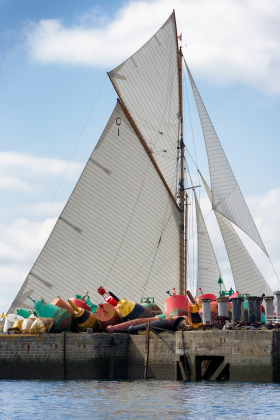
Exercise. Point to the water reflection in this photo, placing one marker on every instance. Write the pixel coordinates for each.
(139, 399)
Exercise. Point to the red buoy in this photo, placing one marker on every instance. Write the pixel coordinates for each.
(108, 298)
(207, 296)
(80, 303)
(176, 305)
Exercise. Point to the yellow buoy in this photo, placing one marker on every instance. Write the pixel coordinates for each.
(85, 319)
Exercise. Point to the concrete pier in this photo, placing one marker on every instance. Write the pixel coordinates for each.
(192, 355)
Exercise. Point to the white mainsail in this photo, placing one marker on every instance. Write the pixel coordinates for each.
(148, 85)
(227, 198)
(208, 271)
(247, 277)
(119, 228)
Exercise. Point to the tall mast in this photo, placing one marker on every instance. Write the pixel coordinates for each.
(183, 262)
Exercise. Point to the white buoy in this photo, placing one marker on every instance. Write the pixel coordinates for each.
(10, 319)
(268, 307)
(222, 306)
(206, 311)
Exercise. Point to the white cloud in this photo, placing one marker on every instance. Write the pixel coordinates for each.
(228, 41)
(20, 171)
(53, 209)
(20, 244)
(17, 240)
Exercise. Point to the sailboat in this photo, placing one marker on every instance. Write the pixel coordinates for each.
(124, 226)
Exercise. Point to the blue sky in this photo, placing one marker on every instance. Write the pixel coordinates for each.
(53, 62)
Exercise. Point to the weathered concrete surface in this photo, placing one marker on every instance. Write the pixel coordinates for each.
(72, 356)
(246, 355)
(234, 355)
(27, 356)
(161, 364)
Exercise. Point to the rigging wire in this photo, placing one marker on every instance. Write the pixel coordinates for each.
(191, 124)
(59, 184)
(274, 269)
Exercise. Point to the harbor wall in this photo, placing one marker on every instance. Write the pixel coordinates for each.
(236, 355)
(193, 355)
(73, 356)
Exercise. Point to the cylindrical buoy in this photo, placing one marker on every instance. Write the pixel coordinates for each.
(107, 315)
(277, 309)
(85, 319)
(194, 307)
(254, 309)
(222, 306)
(169, 323)
(122, 328)
(206, 311)
(176, 305)
(10, 319)
(236, 308)
(242, 310)
(131, 310)
(268, 307)
(246, 309)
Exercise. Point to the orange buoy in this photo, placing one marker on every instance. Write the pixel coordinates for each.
(107, 315)
(64, 305)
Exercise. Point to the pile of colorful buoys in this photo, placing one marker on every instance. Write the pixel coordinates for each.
(113, 315)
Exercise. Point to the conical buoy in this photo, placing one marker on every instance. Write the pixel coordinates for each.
(131, 310)
(85, 319)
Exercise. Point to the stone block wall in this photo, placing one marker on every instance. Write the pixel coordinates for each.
(161, 363)
(237, 355)
(26, 356)
(100, 356)
(249, 355)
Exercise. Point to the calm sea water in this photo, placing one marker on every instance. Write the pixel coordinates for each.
(138, 399)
